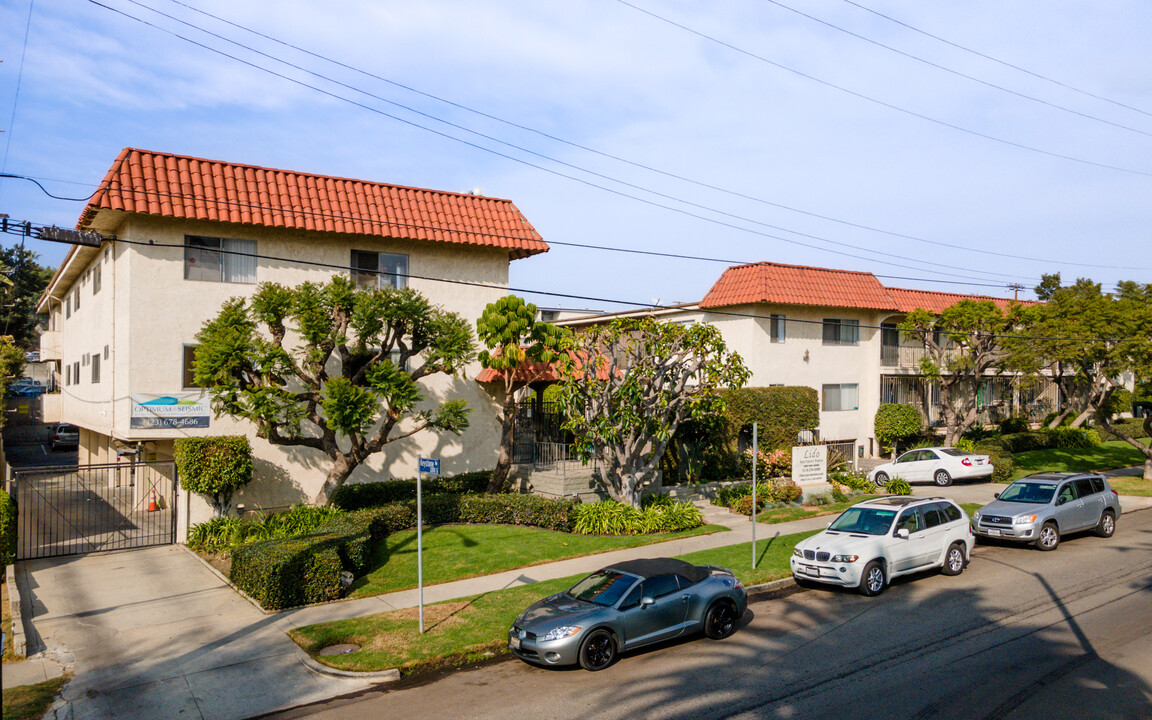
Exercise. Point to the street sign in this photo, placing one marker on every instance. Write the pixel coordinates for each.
(430, 466)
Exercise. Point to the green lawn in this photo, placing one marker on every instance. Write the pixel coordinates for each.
(1107, 456)
(30, 702)
(470, 629)
(455, 552)
(1132, 486)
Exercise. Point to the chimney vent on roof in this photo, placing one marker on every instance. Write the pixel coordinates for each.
(476, 191)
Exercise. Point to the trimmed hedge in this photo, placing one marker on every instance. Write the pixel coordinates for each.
(1059, 437)
(782, 412)
(306, 569)
(357, 496)
(8, 517)
(1002, 463)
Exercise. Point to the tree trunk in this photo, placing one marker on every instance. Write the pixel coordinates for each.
(504, 453)
(342, 467)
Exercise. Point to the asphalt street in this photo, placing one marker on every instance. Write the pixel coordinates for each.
(1021, 634)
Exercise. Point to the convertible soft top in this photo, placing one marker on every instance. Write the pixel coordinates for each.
(650, 567)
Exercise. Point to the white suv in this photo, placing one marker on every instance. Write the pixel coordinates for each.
(875, 541)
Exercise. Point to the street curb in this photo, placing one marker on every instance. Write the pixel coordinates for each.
(19, 639)
(224, 579)
(382, 676)
(770, 587)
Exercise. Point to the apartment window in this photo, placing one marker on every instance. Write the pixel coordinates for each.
(189, 367)
(76, 373)
(68, 307)
(845, 396)
(373, 269)
(841, 332)
(76, 299)
(96, 279)
(777, 329)
(219, 259)
(96, 368)
(67, 374)
(105, 352)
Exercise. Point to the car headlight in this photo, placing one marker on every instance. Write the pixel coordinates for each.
(797, 552)
(1023, 519)
(561, 632)
(976, 516)
(845, 558)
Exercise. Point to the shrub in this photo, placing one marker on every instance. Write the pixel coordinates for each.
(214, 466)
(1023, 442)
(1001, 459)
(856, 480)
(744, 505)
(1132, 426)
(609, 517)
(898, 486)
(964, 444)
(222, 533)
(895, 422)
(728, 495)
(1069, 438)
(280, 574)
(782, 412)
(770, 464)
(357, 496)
(785, 491)
(1011, 425)
(8, 515)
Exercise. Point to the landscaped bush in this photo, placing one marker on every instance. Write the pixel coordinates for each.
(785, 491)
(895, 423)
(781, 411)
(284, 573)
(1069, 438)
(856, 480)
(609, 517)
(356, 496)
(728, 495)
(1001, 459)
(744, 505)
(1023, 442)
(1132, 426)
(8, 517)
(770, 464)
(221, 533)
(214, 466)
(898, 486)
(1012, 425)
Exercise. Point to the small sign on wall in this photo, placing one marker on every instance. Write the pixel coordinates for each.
(810, 465)
(178, 410)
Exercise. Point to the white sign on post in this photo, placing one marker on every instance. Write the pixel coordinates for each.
(810, 465)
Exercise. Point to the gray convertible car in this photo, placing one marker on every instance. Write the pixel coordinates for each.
(625, 606)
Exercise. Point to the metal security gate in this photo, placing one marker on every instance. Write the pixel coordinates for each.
(71, 511)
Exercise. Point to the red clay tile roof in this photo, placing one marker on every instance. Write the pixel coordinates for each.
(186, 187)
(797, 285)
(937, 302)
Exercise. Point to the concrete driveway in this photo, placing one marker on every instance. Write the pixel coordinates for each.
(152, 633)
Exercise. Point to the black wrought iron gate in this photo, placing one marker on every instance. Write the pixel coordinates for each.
(71, 511)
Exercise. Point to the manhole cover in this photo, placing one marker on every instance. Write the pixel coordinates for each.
(339, 649)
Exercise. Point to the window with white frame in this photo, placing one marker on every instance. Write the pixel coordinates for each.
(777, 328)
(845, 396)
(96, 368)
(377, 269)
(219, 259)
(838, 331)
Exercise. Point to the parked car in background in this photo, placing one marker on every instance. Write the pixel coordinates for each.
(625, 606)
(26, 387)
(875, 541)
(940, 465)
(65, 435)
(1042, 508)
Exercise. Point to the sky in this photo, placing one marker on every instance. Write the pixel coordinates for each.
(960, 146)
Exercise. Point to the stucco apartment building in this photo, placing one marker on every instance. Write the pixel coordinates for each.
(186, 234)
(835, 331)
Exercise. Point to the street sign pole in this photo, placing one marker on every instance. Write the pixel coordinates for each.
(755, 462)
(420, 545)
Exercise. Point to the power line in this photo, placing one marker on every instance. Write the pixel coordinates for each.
(44, 189)
(957, 73)
(999, 61)
(569, 296)
(882, 103)
(572, 166)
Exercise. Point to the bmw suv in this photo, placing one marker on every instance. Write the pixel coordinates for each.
(875, 541)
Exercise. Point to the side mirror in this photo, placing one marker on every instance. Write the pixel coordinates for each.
(902, 533)
(645, 602)
(997, 496)
(1061, 500)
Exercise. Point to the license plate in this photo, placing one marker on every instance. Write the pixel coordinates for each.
(514, 643)
(814, 572)
(994, 532)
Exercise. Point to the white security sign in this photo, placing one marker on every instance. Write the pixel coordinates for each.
(810, 465)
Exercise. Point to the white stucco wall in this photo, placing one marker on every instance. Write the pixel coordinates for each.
(146, 312)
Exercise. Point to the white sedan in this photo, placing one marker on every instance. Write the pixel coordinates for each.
(940, 465)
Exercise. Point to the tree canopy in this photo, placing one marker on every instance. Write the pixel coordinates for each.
(629, 384)
(18, 297)
(333, 367)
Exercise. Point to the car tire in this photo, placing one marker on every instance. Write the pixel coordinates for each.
(720, 620)
(873, 579)
(804, 583)
(881, 479)
(597, 651)
(942, 478)
(954, 560)
(1107, 525)
(1049, 538)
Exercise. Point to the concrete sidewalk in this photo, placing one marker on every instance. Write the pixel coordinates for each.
(155, 633)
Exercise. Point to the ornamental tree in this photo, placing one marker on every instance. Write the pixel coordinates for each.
(215, 467)
(628, 385)
(522, 349)
(962, 344)
(895, 422)
(333, 367)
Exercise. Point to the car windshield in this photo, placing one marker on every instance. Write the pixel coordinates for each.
(870, 521)
(1029, 492)
(954, 452)
(603, 588)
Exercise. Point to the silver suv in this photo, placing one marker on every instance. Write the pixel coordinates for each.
(1040, 508)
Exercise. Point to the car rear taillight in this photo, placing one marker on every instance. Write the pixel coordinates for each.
(1114, 492)
(965, 462)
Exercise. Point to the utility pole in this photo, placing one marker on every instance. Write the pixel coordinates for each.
(1015, 288)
